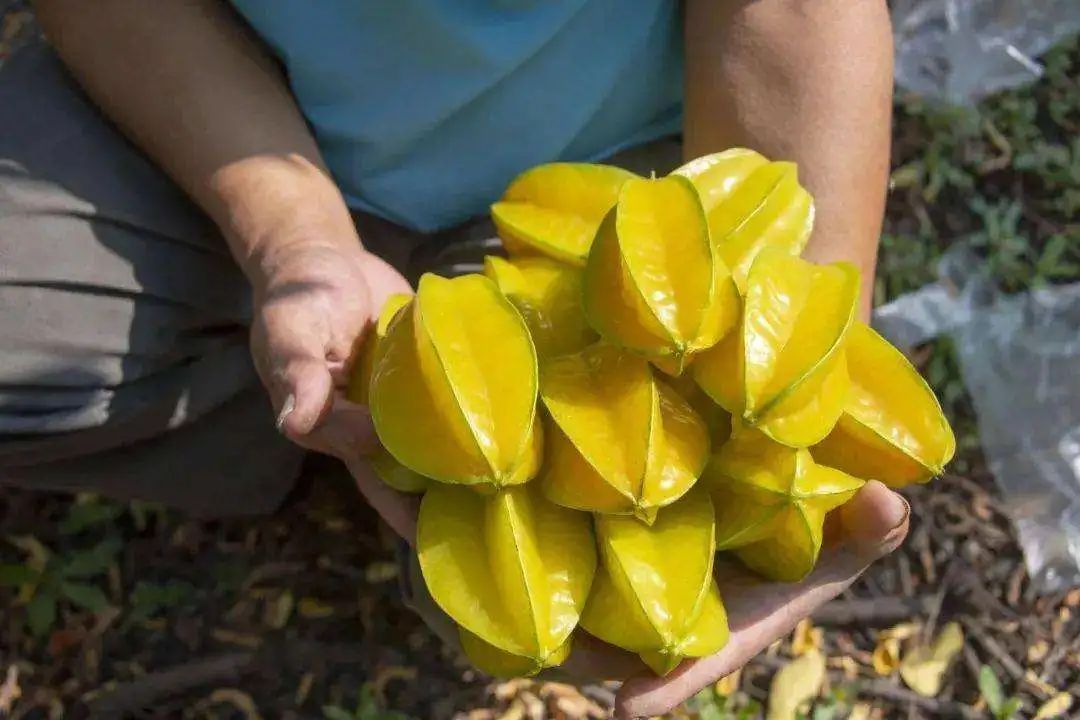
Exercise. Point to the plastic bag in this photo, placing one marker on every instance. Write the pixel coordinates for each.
(1020, 362)
(962, 50)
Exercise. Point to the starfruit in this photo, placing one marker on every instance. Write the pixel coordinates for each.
(751, 204)
(389, 470)
(620, 441)
(454, 386)
(511, 569)
(771, 502)
(653, 282)
(783, 370)
(654, 593)
(548, 295)
(892, 428)
(360, 379)
(555, 209)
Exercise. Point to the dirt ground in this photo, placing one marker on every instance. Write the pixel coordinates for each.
(298, 615)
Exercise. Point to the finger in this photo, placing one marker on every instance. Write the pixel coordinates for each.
(396, 508)
(345, 432)
(593, 660)
(873, 524)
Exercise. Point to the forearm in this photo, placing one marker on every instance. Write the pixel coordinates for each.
(803, 80)
(185, 82)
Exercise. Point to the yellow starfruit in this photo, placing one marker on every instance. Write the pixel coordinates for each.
(892, 428)
(751, 204)
(511, 569)
(389, 470)
(555, 209)
(360, 379)
(771, 501)
(620, 441)
(548, 295)
(653, 282)
(783, 370)
(454, 386)
(654, 593)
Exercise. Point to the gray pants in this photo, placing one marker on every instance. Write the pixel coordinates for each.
(124, 363)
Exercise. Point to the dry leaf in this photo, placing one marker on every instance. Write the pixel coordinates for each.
(1039, 684)
(232, 637)
(1037, 651)
(805, 638)
(796, 683)
(729, 684)
(9, 690)
(386, 674)
(303, 688)
(516, 711)
(861, 711)
(886, 657)
(923, 667)
(380, 572)
(277, 612)
(847, 664)
(1054, 707)
(238, 699)
(314, 609)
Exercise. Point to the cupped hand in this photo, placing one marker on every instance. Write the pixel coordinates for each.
(316, 301)
(869, 527)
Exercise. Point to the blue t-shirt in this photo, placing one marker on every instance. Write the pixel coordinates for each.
(426, 109)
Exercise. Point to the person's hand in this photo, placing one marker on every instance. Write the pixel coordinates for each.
(317, 296)
(869, 527)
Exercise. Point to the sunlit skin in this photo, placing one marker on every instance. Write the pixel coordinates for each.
(803, 80)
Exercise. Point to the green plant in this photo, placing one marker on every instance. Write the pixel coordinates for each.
(1001, 708)
(148, 600)
(711, 705)
(48, 578)
(367, 708)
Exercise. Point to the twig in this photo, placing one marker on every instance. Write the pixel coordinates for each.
(994, 648)
(145, 691)
(881, 610)
(218, 670)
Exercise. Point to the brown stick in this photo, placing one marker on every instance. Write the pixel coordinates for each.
(870, 611)
(144, 691)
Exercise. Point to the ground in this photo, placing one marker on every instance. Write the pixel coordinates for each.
(129, 609)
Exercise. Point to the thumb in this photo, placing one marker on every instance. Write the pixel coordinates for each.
(306, 393)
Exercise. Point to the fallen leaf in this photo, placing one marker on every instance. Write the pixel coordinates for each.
(276, 612)
(1037, 651)
(861, 711)
(314, 609)
(386, 674)
(805, 638)
(1039, 684)
(380, 572)
(303, 688)
(923, 667)
(9, 690)
(232, 637)
(729, 684)
(516, 711)
(238, 699)
(886, 657)
(796, 683)
(1054, 707)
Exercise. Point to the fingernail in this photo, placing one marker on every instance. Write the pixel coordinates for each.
(286, 409)
(904, 515)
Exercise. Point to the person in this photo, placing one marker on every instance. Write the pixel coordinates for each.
(281, 168)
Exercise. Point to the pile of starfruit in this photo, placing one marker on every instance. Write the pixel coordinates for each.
(653, 375)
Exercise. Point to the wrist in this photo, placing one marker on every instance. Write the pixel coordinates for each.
(273, 208)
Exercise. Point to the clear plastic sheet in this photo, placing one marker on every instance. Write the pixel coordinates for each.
(961, 50)
(1020, 361)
